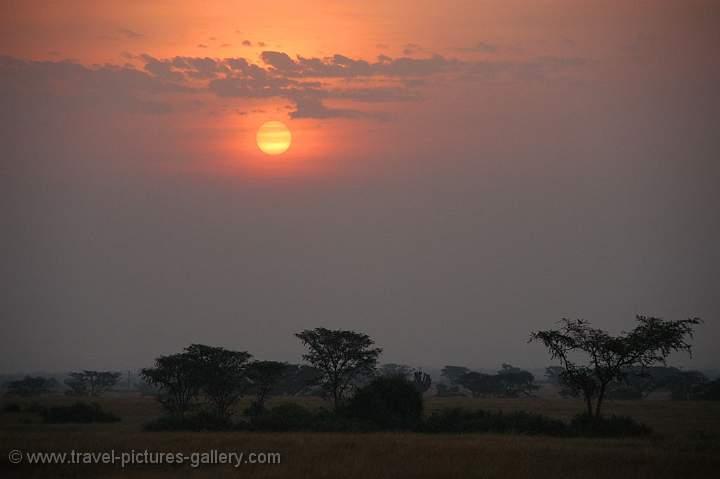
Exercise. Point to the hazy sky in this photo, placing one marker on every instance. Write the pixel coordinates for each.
(461, 173)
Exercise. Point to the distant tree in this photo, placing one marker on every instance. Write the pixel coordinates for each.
(552, 374)
(91, 383)
(263, 375)
(341, 356)
(516, 382)
(77, 384)
(453, 373)
(28, 386)
(685, 385)
(651, 342)
(222, 375)
(711, 391)
(178, 379)
(392, 369)
(480, 384)
(422, 381)
(508, 382)
(637, 383)
(443, 390)
(506, 368)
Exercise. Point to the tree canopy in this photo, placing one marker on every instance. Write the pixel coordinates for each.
(342, 356)
(608, 357)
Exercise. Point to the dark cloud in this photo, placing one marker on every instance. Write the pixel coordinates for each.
(308, 82)
(163, 69)
(60, 87)
(411, 49)
(246, 43)
(340, 66)
(127, 33)
(251, 87)
(281, 62)
(309, 106)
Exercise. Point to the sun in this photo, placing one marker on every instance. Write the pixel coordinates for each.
(273, 138)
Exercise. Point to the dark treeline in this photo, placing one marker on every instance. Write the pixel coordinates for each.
(201, 386)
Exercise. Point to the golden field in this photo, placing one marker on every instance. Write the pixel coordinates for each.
(686, 444)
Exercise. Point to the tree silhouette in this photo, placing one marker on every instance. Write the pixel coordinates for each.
(453, 373)
(263, 375)
(178, 379)
(222, 375)
(608, 357)
(28, 386)
(341, 356)
(92, 383)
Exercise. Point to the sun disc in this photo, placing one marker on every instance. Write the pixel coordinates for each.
(273, 138)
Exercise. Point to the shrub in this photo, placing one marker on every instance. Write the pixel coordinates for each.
(78, 412)
(612, 426)
(388, 402)
(459, 420)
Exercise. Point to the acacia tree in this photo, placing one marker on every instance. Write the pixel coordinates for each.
(92, 383)
(516, 382)
(341, 356)
(453, 374)
(215, 373)
(263, 376)
(222, 375)
(178, 380)
(28, 386)
(608, 357)
(479, 384)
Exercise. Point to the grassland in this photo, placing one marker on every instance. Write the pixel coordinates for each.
(686, 444)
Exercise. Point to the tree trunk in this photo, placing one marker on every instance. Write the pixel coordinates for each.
(588, 401)
(600, 400)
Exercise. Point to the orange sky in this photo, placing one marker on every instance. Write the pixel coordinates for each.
(100, 31)
(516, 45)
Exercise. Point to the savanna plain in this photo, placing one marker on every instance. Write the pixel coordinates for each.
(685, 443)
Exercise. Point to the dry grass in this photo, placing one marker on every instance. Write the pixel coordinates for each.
(687, 446)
